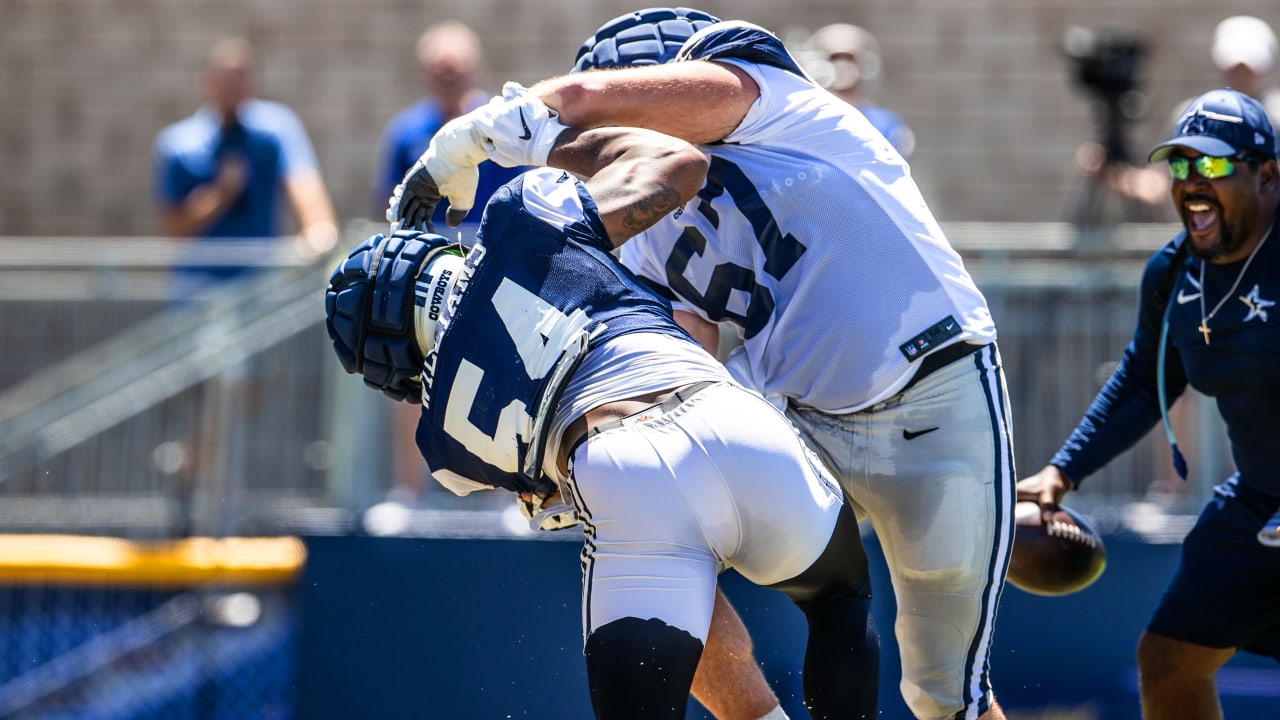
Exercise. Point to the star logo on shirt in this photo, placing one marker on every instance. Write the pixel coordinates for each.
(1257, 306)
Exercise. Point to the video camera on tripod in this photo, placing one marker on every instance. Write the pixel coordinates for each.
(1107, 66)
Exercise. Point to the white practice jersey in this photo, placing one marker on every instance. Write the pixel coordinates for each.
(811, 237)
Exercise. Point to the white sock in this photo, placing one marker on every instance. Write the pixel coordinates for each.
(775, 714)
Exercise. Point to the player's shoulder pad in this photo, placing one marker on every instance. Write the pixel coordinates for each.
(739, 40)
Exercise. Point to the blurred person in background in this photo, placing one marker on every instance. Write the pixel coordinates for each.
(449, 56)
(220, 173)
(220, 176)
(1203, 321)
(846, 60)
(1244, 54)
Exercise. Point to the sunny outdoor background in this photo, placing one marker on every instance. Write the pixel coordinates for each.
(199, 513)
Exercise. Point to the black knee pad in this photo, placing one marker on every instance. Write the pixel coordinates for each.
(842, 654)
(840, 570)
(841, 658)
(641, 669)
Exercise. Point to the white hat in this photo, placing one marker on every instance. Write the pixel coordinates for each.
(844, 38)
(1244, 40)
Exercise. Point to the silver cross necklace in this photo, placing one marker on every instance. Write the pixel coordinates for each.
(1204, 319)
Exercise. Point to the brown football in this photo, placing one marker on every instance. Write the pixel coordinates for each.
(1065, 557)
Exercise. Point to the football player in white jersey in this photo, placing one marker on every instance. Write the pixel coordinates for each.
(545, 368)
(856, 316)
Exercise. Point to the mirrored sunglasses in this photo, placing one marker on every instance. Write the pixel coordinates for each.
(1209, 167)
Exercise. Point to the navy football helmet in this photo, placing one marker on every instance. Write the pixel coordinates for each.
(645, 37)
(370, 310)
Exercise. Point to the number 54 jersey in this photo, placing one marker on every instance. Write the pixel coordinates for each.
(538, 290)
(812, 238)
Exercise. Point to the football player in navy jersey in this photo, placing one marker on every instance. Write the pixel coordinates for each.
(1203, 321)
(857, 318)
(547, 369)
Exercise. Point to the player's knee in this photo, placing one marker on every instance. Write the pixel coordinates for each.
(938, 676)
(942, 697)
(956, 576)
(1163, 660)
(842, 657)
(1156, 663)
(641, 668)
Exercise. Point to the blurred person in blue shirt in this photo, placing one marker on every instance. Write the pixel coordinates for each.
(221, 178)
(449, 55)
(221, 173)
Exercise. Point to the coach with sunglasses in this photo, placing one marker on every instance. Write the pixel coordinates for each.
(1206, 320)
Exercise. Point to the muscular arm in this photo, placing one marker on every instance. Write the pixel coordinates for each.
(1128, 405)
(696, 101)
(636, 176)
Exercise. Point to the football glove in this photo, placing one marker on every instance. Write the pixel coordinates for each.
(512, 130)
(518, 128)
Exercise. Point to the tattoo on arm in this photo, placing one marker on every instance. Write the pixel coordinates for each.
(660, 199)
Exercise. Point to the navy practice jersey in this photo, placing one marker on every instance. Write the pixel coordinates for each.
(811, 238)
(539, 290)
(1238, 367)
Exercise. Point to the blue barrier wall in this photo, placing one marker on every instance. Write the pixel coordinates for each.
(479, 629)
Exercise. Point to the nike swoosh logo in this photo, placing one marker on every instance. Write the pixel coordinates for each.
(908, 435)
(527, 133)
(1184, 298)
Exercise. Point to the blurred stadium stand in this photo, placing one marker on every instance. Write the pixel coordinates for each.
(111, 371)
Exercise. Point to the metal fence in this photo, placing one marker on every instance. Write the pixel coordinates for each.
(134, 653)
(132, 406)
(1065, 305)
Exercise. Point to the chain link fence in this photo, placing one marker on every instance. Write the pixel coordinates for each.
(131, 652)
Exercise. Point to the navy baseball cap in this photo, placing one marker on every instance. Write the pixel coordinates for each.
(1221, 123)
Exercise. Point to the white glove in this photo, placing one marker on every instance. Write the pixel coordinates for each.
(512, 130)
(446, 170)
(518, 128)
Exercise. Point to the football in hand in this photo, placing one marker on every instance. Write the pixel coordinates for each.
(1063, 557)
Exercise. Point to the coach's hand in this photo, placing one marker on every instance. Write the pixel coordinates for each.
(1046, 489)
